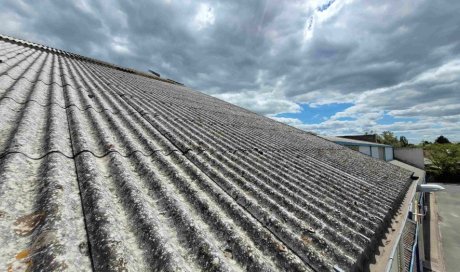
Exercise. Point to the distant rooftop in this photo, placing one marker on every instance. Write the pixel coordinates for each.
(346, 141)
(363, 137)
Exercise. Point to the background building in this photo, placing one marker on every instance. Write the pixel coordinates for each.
(375, 150)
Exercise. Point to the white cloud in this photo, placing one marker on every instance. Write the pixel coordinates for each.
(263, 103)
(435, 113)
(121, 45)
(400, 59)
(289, 121)
(205, 16)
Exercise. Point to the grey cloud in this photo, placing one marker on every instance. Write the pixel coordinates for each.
(410, 49)
(255, 54)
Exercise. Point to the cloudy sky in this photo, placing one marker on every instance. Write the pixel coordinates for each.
(332, 67)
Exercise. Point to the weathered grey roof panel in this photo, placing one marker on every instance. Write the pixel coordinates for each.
(41, 220)
(155, 176)
(408, 239)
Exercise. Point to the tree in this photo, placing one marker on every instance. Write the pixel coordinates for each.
(445, 159)
(389, 138)
(442, 140)
(424, 143)
(403, 142)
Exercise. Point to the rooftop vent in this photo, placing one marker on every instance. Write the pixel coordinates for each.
(153, 72)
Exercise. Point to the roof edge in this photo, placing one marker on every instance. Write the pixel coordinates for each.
(383, 256)
(88, 59)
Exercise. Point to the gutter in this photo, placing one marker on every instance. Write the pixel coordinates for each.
(412, 258)
(398, 239)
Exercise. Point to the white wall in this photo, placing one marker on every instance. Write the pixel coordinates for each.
(375, 152)
(388, 153)
(365, 149)
(410, 155)
(385, 153)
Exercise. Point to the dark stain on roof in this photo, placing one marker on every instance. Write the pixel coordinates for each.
(107, 168)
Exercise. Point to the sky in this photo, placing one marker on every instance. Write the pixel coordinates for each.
(329, 67)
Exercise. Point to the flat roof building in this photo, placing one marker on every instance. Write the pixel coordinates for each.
(375, 150)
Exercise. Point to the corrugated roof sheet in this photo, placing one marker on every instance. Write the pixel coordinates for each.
(106, 168)
(408, 240)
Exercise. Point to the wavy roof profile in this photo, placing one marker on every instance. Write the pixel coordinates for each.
(106, 168)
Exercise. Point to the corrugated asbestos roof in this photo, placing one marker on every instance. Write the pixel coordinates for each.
(107, 168)
(409, 237)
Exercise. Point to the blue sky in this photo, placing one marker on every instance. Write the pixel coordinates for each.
(331, 67)
(388, 120)
(316, 114)
(312, 115)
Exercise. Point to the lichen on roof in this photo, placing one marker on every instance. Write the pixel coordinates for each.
(108, 169)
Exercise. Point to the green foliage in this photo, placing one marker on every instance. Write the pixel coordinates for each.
(425, 143)
(389, 138)
(445, 159)
(403, 141)
(442, 140)
(444, 155)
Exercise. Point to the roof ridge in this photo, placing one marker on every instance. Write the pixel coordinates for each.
(88, 59)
